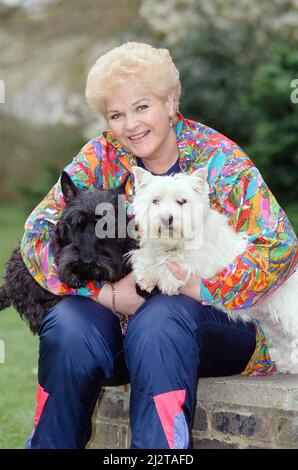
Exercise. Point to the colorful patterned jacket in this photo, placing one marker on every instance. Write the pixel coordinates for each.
(237, 189)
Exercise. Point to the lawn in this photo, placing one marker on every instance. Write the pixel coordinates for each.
(18, 373)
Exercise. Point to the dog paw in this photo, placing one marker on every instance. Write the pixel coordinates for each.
(145, 284)
(169, 285)
(170, 290)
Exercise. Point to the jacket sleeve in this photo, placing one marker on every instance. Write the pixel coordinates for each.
(271, 255)
(40, 225)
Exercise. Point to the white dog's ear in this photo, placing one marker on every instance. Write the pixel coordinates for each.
(199, 178)
(141, 177)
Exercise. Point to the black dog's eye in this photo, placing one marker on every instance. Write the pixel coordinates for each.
(181, 201)
(82, 223)
(156, 201)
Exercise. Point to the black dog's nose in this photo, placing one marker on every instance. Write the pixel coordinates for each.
(167, 221)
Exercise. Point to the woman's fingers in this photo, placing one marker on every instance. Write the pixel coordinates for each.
(177, 271)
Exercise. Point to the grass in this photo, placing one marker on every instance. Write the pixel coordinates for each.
(18, 372)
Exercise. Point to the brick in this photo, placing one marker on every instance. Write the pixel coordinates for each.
(287, 430)
(262, 409)
(112, 406)
(200, 419)
(260, 446)
(212, 444)
(124, 440)
(250, 426)
(278, 391)
(106, 436)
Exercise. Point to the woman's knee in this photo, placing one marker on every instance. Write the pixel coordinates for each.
(160, 310)
(163, 317)
(162, 339)
(79, 329)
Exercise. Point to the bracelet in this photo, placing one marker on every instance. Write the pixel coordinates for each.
(123, 318)
(113, 297)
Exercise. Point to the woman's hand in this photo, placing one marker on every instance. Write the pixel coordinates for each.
(192, 286)
(127, 299)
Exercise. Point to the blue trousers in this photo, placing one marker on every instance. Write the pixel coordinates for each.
(170, 343)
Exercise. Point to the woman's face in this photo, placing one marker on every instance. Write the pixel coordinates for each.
(141, 122)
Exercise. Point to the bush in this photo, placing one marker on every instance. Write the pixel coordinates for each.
(239, 82)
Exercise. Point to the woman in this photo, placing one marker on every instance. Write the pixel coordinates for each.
(170, 342)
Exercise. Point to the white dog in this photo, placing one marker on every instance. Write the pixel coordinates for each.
(177, 224)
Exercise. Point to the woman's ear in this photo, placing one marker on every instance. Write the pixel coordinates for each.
(170, 106)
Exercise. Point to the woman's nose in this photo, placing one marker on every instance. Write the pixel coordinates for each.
(130, 122)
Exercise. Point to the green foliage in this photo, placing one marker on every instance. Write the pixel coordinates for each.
(275, 134)
(240, 85)
(217, 69)
(33, 159)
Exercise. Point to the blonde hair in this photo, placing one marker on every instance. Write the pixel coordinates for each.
(134, 63)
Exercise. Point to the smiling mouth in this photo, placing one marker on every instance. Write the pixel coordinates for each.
(139, 138)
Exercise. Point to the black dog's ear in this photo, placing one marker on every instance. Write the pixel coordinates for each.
(121, 187)
(59, 230)
(69, 189)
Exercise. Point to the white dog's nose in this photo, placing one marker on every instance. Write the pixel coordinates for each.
(167, 221)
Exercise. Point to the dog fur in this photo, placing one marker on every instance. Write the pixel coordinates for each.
(79, 254)
(203, 243)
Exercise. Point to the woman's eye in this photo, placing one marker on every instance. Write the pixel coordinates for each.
(181, 201)
(142, 107)
(115, 116)
(155, 201)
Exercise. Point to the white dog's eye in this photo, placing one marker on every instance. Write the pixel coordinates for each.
(181, 201)
(156, 201)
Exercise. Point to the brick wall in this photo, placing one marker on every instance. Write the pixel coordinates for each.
(232, 412)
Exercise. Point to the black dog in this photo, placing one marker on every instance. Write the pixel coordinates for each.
(80, 255)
